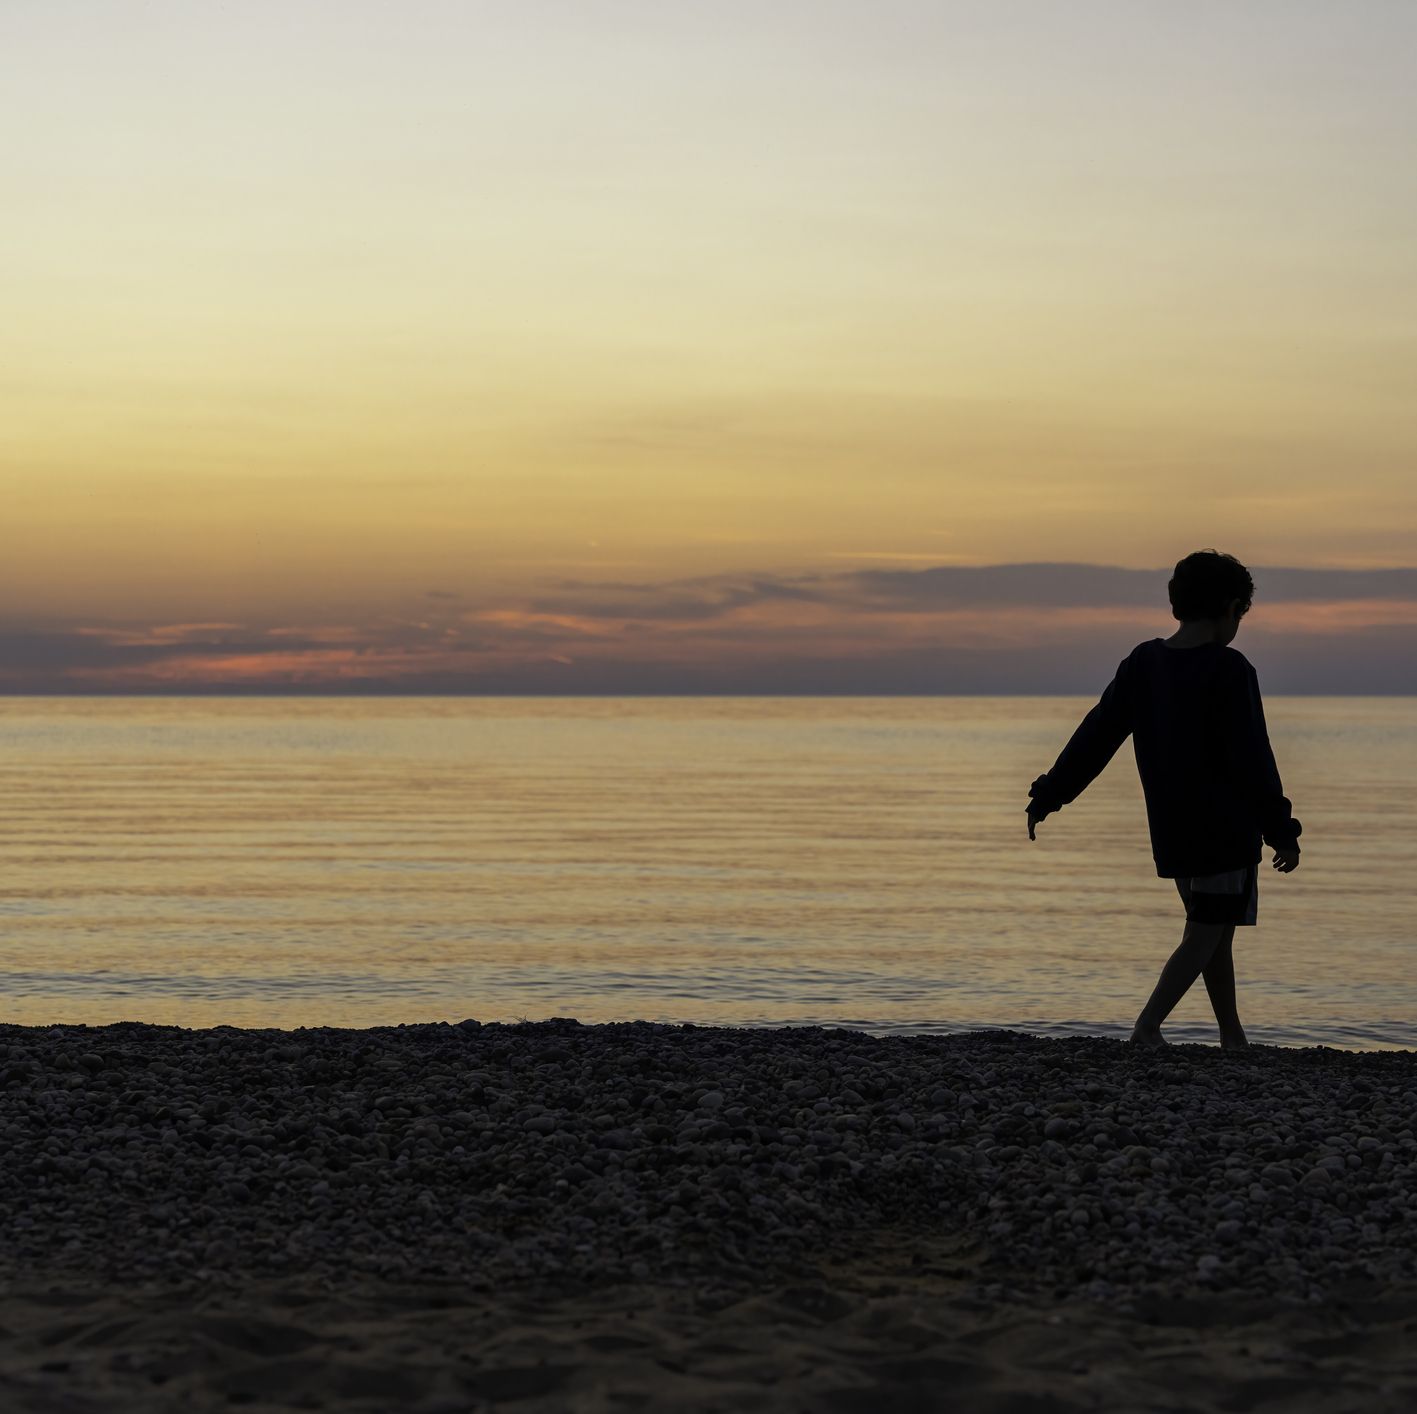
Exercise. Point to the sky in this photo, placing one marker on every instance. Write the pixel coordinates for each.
(598, 346)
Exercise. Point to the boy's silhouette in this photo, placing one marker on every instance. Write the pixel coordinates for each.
(1192, 706)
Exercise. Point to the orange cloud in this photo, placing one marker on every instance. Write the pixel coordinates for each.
(1034, 628)
(1314, 616)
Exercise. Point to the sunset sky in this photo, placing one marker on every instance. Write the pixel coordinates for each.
(586, 346)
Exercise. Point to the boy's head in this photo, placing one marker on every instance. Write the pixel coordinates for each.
(1209, 585)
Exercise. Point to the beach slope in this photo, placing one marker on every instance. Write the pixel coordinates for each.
(633, 1215)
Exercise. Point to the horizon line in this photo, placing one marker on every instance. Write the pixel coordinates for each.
(569, 696)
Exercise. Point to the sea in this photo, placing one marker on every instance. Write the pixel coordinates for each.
(745, 861)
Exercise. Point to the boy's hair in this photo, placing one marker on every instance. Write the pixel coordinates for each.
(1205, 582)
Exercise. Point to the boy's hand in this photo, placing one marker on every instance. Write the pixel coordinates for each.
(1286, 860)
(1035, 814)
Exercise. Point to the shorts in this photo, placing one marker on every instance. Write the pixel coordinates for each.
(1232, 897)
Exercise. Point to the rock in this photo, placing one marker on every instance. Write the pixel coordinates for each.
(513, 1152)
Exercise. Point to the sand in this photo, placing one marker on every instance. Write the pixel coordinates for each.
(562, 1217)
(893, 1333)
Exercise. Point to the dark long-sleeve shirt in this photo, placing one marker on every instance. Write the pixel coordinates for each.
(1207, 769)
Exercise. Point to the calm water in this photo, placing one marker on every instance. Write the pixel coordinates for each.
(859, 862)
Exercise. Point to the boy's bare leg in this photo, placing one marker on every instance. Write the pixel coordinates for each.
(1219, 974)
(1198, 945)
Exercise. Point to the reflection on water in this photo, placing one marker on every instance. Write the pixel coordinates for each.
(840, 862)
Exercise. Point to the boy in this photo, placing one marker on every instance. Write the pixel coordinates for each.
(1192, 706)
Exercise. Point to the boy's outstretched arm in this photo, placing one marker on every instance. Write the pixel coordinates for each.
(1089, 749)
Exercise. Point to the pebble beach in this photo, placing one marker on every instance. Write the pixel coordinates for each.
(566, 1216)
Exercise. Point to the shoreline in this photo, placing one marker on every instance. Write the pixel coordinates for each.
(977, 1174)
(1191, 1036)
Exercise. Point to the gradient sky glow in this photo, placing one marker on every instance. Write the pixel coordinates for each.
(324, 321)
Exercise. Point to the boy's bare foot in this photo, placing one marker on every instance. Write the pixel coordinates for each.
(1234, 1041)
(1147, 1036)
